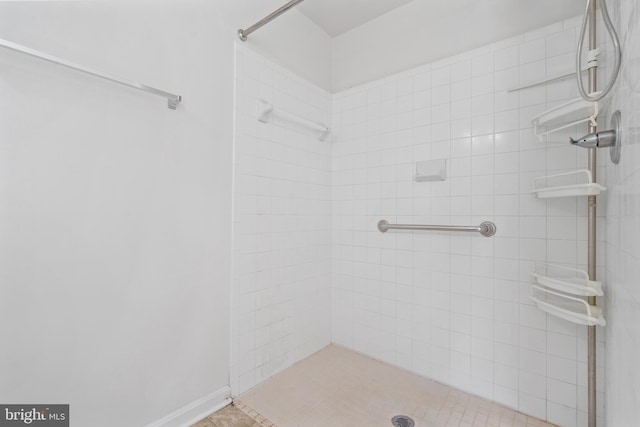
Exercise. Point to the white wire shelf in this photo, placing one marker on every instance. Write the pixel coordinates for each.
(568, 184)
(569, 280)
(267, 112)
(566, 307)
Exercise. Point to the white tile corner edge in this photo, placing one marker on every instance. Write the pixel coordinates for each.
(197, 410)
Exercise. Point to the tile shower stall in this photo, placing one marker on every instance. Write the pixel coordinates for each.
(311, 267)
(271, 238)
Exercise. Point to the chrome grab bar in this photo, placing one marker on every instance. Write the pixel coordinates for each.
(487, 228)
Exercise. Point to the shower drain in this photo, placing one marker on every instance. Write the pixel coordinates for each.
(402, 421)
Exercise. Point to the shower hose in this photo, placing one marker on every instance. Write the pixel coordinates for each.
(617, 51)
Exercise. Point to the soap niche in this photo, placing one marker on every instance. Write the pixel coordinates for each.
(431, 170)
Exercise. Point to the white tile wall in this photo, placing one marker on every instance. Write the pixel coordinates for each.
(623, 232)
(448, 306)
(282, 224)
(455, 307)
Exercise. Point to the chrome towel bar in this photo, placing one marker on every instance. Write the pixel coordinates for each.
(172, 99)
(487, 228)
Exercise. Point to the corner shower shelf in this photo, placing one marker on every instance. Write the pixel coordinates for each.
(576, 183)
(566, 279)
(566, 307)
(565, 115)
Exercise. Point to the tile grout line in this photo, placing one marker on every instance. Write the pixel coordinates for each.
(263, 421)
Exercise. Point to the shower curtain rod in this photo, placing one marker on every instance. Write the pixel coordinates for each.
(243, 34)
(172, 99)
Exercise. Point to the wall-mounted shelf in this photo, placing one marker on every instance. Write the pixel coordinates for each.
(534, 83)
(267, 112)
(568, 184)
(566, 307)
(569, 280)
(565, 115)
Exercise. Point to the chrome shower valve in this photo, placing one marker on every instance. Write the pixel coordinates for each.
(607, 138)
(602, 139)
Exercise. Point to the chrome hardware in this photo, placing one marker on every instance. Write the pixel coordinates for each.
(243, 34)
(487, 228)
(608, 138)
(602, 139)
(172, 99)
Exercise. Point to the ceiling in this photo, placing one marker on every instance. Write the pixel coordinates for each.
(339, 16)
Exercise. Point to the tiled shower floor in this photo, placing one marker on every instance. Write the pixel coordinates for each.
(231, 416)
(336, 387)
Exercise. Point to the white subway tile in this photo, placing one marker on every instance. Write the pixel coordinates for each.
(469, 293)
(532, 384)
(533, 50)
(440, 76)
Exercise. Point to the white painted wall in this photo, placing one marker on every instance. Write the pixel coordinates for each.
(451, 306)
(623, 231)
(115, 212)
(293, 41)
(424, 31)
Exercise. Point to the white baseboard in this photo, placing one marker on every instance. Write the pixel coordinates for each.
(195, 411)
